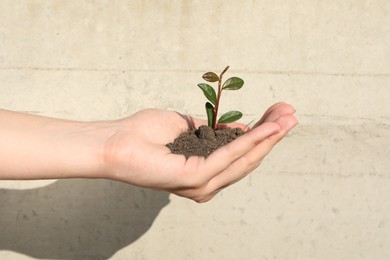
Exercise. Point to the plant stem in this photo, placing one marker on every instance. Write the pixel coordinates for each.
(218, 97)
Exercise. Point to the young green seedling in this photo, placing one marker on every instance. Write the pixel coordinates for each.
(233, 83)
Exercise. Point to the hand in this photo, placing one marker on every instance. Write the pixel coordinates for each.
(137, 154)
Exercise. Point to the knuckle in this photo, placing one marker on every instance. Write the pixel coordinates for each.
(249, 164)
(202, 199)
(230, 151)
(203, 195)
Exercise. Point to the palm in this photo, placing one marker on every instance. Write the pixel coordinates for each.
(139, 147)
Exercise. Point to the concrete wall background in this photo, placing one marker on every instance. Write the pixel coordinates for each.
(324, 193)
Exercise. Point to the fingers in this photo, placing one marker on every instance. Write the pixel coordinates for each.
(234, 161)
(226, 155)
(200, 171)
(273, 122)
(276, 111)
(247, 163)
(230, 168)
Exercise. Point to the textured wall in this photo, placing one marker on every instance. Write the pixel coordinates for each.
(324, 193)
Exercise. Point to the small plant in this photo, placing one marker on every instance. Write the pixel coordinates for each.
(233, 83)
(204, 140)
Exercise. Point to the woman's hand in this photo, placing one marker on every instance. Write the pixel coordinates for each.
(136, 152)
(133, 150)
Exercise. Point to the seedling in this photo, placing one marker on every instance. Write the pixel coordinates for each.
(206, 139)
(212, 107)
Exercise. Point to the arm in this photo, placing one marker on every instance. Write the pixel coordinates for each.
(132, 150)
(36, 147)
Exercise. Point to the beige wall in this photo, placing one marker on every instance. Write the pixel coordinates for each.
(324, 193)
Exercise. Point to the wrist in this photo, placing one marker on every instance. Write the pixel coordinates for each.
(92, 139)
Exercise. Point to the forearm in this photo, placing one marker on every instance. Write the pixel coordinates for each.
(36, 147)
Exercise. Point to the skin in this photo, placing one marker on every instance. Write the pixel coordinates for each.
(132, 150)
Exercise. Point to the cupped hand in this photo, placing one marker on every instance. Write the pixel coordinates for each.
(137, 152)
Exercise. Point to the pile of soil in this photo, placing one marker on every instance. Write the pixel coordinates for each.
(203, 141)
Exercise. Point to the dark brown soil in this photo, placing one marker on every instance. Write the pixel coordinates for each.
(203, 141)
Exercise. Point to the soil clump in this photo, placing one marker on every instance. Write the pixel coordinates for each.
(203, 141)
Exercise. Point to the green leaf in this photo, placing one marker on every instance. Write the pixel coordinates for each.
(229, 117)
(233, 83)
(210, 114)
(210, 77)
(209, 92)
